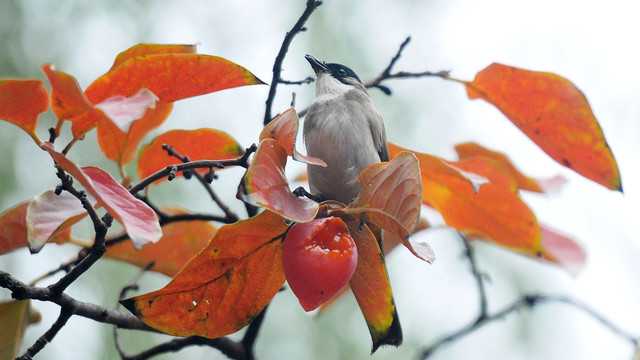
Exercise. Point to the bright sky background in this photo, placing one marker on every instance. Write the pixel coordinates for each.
(593, 44)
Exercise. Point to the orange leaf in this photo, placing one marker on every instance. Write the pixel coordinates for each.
(179, 243)
(553, 113)
(137, 218)
(48, 214)
(67, 99)
(201, 144)
(123, 147)
(21, 101)
(151, 49)
(395, 189)
(70, 103)
(265, 184)
(225, 286)
(493, 213)
(370, 286)
(470, 149)
(14, 231)
(492, 170)
(15, 316)
(284, 128)
(563, 251)
(171, 77)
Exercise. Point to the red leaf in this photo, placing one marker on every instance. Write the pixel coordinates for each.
(393, 187)
(201, 144)
(180, 241)
(284, 128)
(470, 150)
(553, 113)
(494, 213)
(138, 219)
(265, 184)
(370, 286)
(21, 101)
(14, 233)
(222, 288)
(49, 214)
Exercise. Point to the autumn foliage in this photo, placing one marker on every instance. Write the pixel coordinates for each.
(222, 277)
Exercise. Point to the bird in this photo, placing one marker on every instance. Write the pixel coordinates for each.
(343, 128)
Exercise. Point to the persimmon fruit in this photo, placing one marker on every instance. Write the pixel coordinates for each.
(318, 258)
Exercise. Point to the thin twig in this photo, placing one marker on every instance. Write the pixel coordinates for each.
(251, 335)
(387, 74)
(477, 275)
(228, 347)
(199, 164)
(529, 301)
(22, 291)
(311, 6)
(526, 301)
(133, 285)
(100, 227)
(231, 217)
(47, 337)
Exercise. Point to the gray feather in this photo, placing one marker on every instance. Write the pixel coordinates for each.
(343, 128)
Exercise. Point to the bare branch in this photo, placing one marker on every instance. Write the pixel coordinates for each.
(48, 336)
(22, 291)
(200, 164)
(231, 217)
(526, 301)
(312, 5)
(226, 346)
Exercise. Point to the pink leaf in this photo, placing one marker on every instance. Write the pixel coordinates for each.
(265, 184)
(563, 251)
(139, 220)
(48, 214)
(123, 111)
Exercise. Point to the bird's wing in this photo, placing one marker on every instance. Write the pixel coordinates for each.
(376, 124)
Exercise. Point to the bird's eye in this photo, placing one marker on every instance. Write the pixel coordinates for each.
(342, 72)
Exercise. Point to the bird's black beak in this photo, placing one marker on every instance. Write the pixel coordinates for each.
(317, 65)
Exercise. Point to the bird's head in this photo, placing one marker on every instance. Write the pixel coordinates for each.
(333, 78)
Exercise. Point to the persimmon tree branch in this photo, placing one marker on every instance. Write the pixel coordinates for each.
(388, 74)
(170, 171)
(47, 337)
(22, 291)
(230, 216)
(298, 27)
(100, 225)
(528, 301)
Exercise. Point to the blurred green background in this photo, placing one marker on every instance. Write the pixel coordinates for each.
(588, 42)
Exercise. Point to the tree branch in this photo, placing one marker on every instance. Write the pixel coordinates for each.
(526, 301)
(199, 164)
(231, 217)
(47, 337)
(312, 5)
(386, 74)
(22, 291)
(228, 347)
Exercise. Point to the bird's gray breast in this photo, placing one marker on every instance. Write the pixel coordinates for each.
(337, 129)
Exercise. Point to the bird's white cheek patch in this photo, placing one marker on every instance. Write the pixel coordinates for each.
(328, 88)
